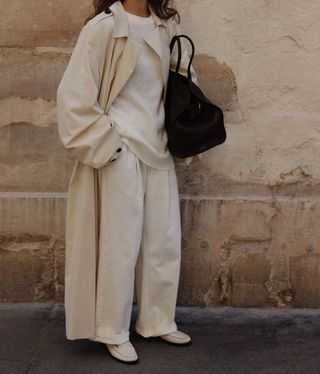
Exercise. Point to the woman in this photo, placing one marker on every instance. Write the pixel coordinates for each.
(123, 219)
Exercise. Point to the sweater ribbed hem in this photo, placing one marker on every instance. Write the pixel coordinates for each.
(153, 152)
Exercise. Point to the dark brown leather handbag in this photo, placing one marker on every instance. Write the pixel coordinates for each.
(193, 123)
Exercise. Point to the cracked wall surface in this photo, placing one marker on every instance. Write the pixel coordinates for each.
(250, 208)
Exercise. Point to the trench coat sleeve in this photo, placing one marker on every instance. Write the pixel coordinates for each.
(85, 130)
(183, 69)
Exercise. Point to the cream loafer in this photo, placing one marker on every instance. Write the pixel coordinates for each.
(124, 352)
(177, 337)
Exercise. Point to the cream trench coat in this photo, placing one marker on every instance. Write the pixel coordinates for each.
(102, 61)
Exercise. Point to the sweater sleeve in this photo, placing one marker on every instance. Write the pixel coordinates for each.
(84, 129)
(183, 69)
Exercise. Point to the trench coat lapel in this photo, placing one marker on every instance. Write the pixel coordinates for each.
(157, 39)
(129, 57)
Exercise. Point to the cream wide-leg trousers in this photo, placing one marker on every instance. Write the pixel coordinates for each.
(139, 246)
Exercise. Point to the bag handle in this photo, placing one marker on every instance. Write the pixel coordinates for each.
(177, 38)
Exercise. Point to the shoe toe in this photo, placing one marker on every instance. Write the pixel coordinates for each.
(124, 351)
(177, 337)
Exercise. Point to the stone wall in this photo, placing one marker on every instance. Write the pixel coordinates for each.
(250, 209)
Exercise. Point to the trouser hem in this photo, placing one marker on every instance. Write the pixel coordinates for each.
(166, 330)
(111, 339)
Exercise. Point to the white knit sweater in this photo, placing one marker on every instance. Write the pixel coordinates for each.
(138, 110)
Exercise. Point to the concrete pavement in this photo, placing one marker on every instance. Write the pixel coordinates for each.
(224, 341)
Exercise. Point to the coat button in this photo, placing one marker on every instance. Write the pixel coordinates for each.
(119, 149)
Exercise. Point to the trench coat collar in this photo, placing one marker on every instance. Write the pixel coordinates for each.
(156, 39)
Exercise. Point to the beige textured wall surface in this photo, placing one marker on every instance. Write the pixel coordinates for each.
(250, 209)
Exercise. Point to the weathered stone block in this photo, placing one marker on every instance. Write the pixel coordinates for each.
(30, 73)
(43, 23)
(26, 268)
(33, 213)
(33, 159)
(249, 273)
(304, 277)
(32, 230)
